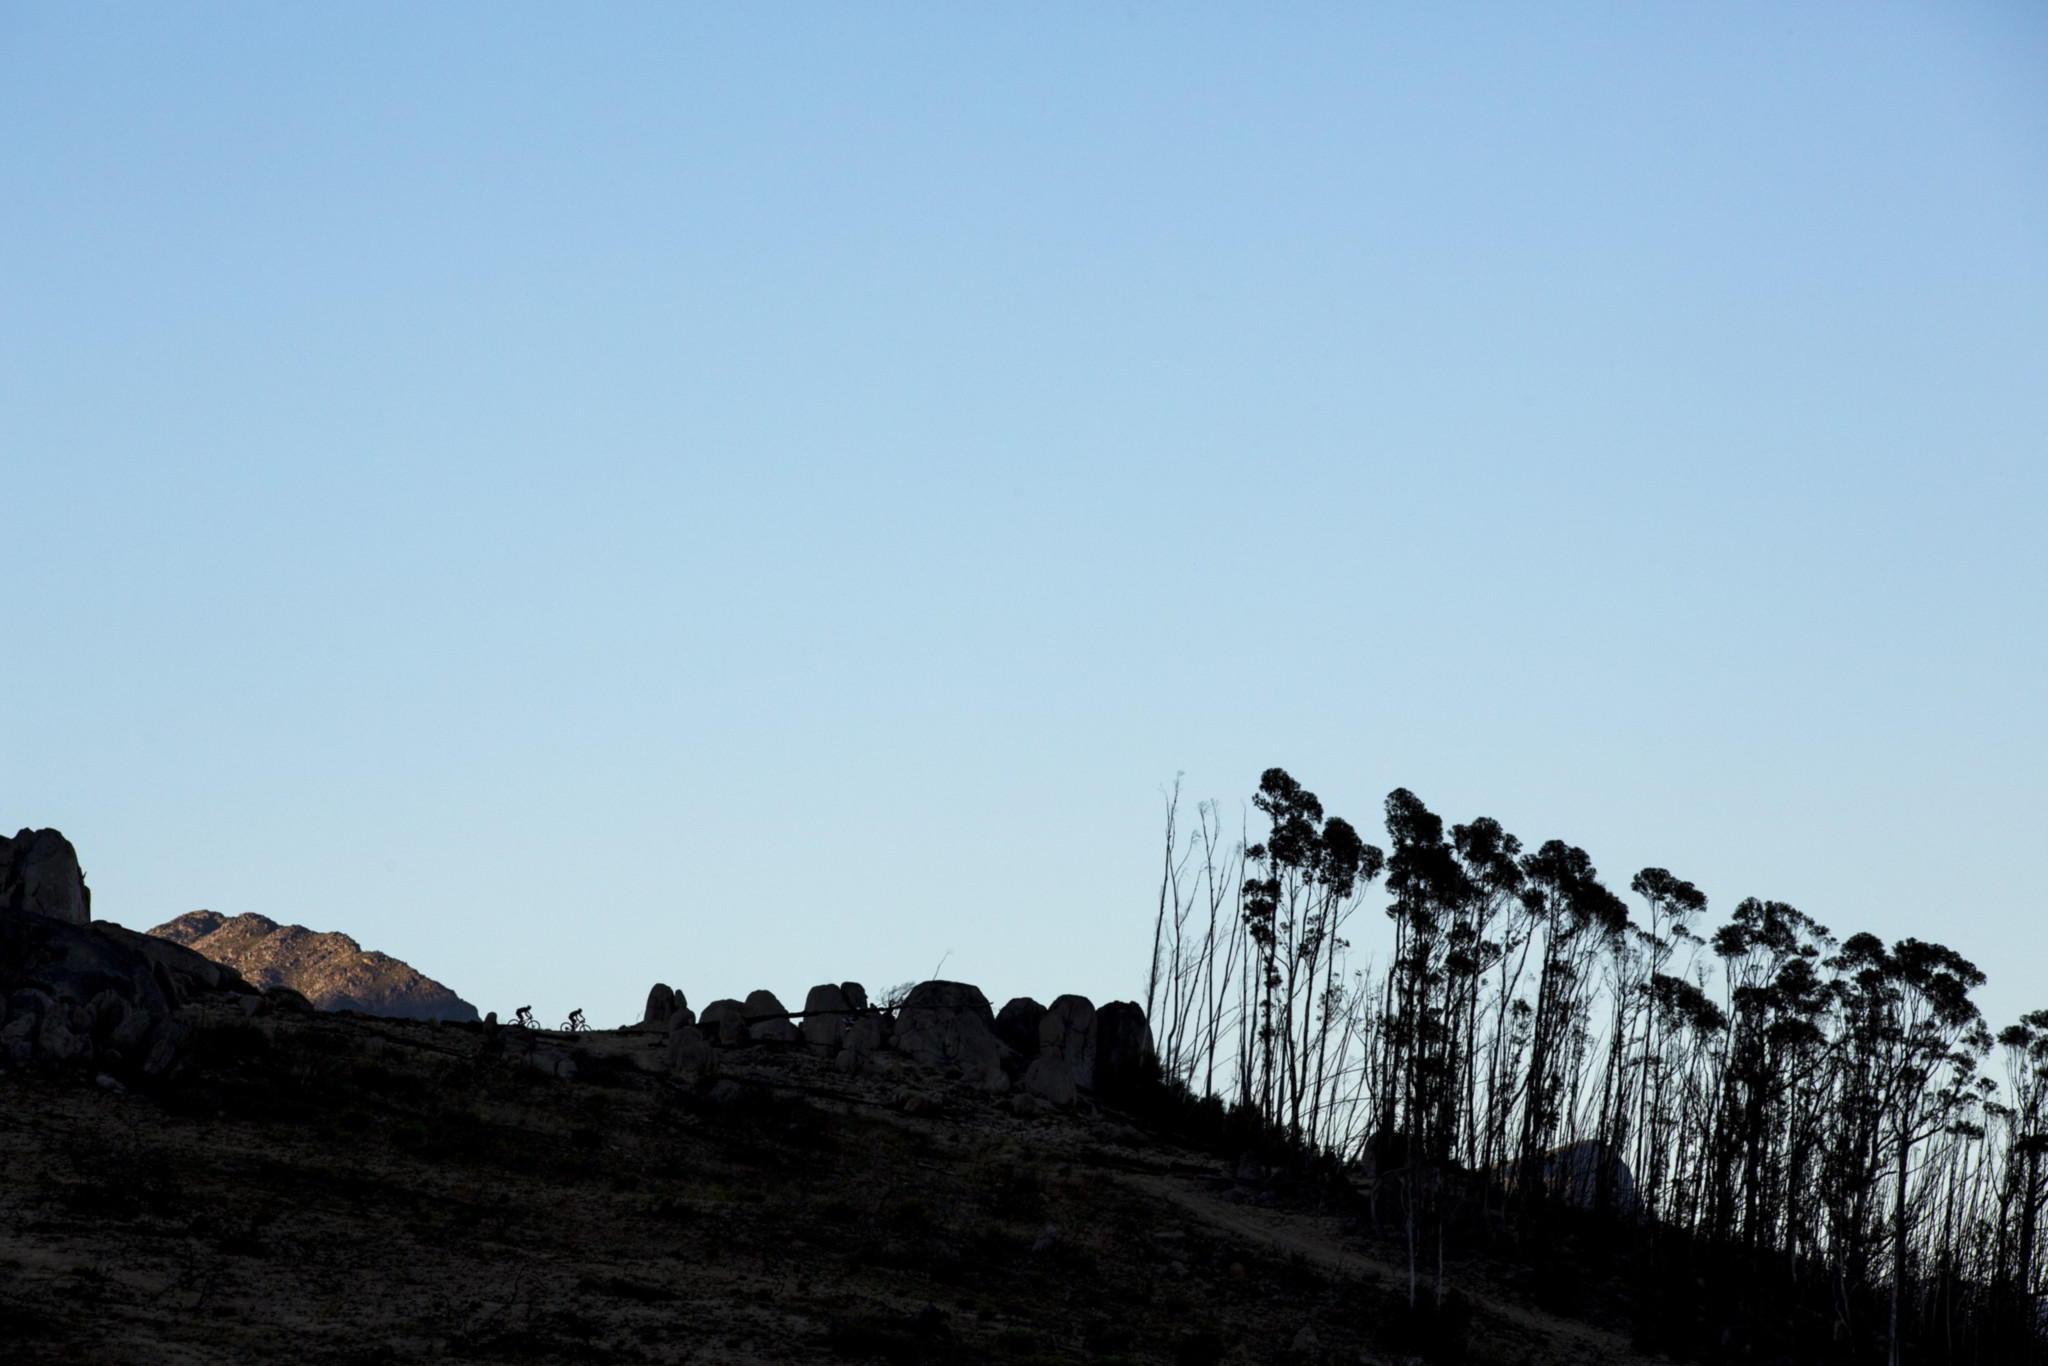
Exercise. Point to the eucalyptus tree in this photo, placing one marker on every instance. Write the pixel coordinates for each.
(1573, 913)
(1314, 869)
(1674, 1173)
(1488, 954)
(1916, 1038)
(1429, 900)
(1663, 1009)
(2017, 1260)
(1422, 1056)
(1807, 1123)
(1776, 1003)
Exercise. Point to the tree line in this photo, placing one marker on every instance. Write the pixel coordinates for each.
(1793, 1138)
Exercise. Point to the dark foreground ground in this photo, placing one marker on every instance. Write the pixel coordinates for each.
(333, 1189)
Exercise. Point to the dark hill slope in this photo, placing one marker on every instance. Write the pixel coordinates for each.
(331, 1189)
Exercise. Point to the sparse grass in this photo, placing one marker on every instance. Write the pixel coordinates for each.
(332, 1190)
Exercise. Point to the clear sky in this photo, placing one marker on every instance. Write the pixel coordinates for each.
(759, 494)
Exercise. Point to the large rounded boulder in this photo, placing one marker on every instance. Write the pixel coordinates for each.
(1124, 1059)
(39, 875)
(950, 1024)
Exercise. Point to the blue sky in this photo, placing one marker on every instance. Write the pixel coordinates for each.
(757, 495)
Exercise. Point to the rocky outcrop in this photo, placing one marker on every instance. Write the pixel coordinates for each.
(727, 1018)
(89, 997)
(331, 970)
(1123, 1049)
(1053, 1056)
(1051, 1080)
(1067, 1030)
(767, 1018)
(689, 1054)
(826, 1012)
(1017, 1025)
(39, 875)
(661, 1003)
(949, 1024)
(101, 1000)
(865, 1037)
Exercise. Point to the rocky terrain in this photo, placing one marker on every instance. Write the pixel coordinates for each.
(333, 1189)
(331, 970)
(84, 998)
(197, 1170)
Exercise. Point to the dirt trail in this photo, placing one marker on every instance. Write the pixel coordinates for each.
(1316, 1239)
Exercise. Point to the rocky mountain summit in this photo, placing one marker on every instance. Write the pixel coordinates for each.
(331, 970)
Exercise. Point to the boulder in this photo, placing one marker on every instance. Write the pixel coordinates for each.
(1583, 1175)
(18, 1035)
(1051, 1080)
(826, 1015)
(1017, 1025)
(58, 1041)
(661, 1003)
(981, 1056)
(1123, 1049)
(105, 1011)
(28, 1001)
(856, 995)
(945, 1029)
(768, 1019)
(127, 1032)
(864, 1037)
(1068, 1031)
(39, 875)
(166, 1049)
(949, 998)
(930, 1037)
(726, 1016)
(689, 1054)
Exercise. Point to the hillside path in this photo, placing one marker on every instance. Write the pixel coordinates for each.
(1317, 1239)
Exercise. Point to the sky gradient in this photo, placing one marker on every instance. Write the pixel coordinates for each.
(759, 495)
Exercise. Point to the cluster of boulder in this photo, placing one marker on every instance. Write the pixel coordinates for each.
(80, 995)
(1051, 1053)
